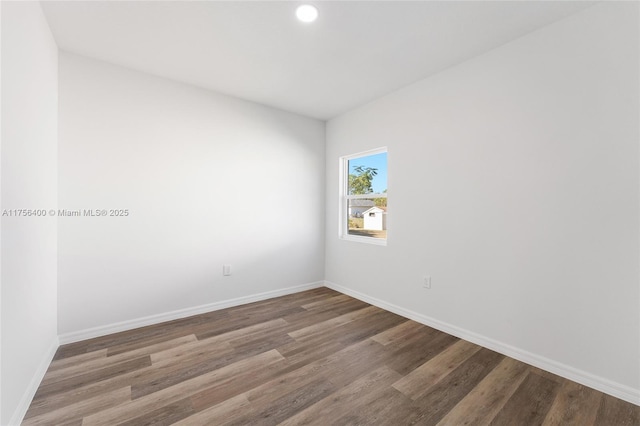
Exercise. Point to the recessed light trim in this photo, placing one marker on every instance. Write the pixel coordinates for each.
(307, 13)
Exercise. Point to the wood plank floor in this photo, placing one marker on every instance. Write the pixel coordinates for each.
(318, 358)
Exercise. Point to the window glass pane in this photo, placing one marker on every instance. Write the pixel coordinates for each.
(367, 217)
(368, 174)
(363, 196)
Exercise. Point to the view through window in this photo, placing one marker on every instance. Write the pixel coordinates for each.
(364, 201)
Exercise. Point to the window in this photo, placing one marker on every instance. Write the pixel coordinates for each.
(363, 197)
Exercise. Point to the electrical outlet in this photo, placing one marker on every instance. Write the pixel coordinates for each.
(426, 282)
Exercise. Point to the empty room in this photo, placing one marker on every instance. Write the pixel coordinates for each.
(327, 213)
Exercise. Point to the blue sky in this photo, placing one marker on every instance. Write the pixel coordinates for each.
(377, 161)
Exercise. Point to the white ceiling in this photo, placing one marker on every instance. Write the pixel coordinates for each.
(355, 52)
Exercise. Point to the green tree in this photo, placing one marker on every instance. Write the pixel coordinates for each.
(381, 202)
(360, 182)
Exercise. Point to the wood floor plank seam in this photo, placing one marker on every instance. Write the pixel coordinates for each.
(316, 357)
(109, 361)
(174, 393)
(418, 382)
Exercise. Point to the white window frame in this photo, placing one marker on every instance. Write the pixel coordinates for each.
(343, 220)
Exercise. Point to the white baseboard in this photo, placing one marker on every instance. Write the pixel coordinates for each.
(601, 384)
(27, 396)
(90, 333)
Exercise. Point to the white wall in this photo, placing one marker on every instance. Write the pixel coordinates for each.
(207, 179)
(29, 181)
(513, 182)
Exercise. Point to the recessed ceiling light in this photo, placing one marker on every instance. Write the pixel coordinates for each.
(307, 13)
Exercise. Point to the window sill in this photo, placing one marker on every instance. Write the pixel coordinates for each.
(365, 240)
